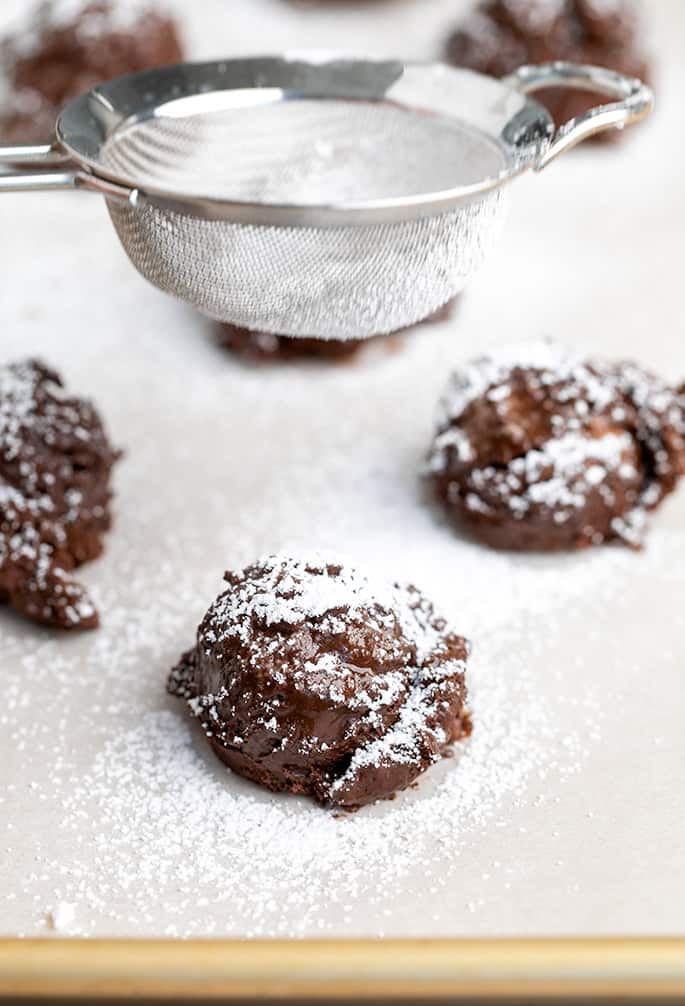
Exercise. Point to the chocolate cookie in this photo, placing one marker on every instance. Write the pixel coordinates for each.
(538, 448)
(67, 47)
(55, 465)
(308, 677)
(498, 36)
(261, 347)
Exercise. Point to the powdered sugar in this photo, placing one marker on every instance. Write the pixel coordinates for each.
(292, 588)
(62, 916)
(140, 827)
(535, 16)
(252, 668)
(155, 837)
(182, 847)
(561, 472)
(54, 473)
(576, 430)
(555, 363)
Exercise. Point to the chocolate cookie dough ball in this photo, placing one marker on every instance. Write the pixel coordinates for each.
(309, 677)
(66, 47)
(538, 448)
(498, 36)
(262, 347)
(55, 465)
(259, 347)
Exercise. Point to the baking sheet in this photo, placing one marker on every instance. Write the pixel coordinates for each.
(564, 815)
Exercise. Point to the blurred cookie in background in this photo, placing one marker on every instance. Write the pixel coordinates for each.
(498, 36)
(539, 448)
(265, 347)
(65, 47)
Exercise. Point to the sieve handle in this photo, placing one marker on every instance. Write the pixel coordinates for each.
(37, 181)
(634, 101)
(47, 181)
(29, 179)
(38, 156)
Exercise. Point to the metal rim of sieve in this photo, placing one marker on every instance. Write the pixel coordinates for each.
(501, 113)
(271, 235)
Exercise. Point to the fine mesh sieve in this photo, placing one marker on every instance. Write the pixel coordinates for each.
(338, 282)
(310, 195)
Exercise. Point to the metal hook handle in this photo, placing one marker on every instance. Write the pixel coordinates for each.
(47, 155)
(44, 156)
(38, 181)
(634, 101)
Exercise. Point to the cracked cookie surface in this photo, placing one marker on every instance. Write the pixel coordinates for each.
(539, 448)
(309, 677)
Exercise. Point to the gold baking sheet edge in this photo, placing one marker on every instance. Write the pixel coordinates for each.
(398, 969)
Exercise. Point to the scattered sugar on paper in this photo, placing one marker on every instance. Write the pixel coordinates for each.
(136, 823)
(62, 916)
(157, 837)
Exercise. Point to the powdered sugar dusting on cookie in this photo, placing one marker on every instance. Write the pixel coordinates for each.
(315, 677)
(552, 361)
(293, 588)
(536, 16)
(579, 436)
(558, 474)
(55, 463)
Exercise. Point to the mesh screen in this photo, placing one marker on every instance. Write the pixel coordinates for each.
(300, 151)
(343, 282)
